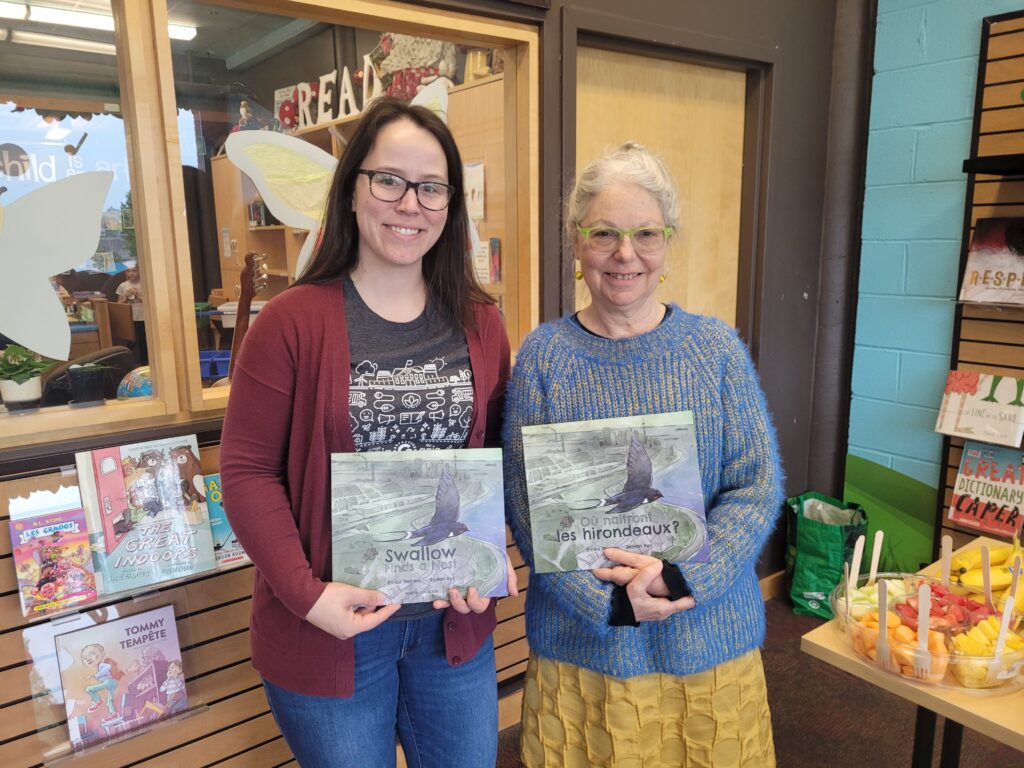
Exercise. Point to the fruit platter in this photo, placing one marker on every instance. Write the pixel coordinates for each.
(952, 607)
(965, 644)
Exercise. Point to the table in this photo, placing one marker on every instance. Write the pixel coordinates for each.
(998, 715)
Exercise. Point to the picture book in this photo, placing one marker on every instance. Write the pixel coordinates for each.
(982, 406)
(226, 548)
(995, 263)
(52, 561)
(631, 483)
(413, 524)
(146, 508)
(989, 491)
(120, 675)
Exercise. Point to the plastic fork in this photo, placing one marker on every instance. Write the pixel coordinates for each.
(846, 582)
(876, 552)
(922, 656)
(882, 646)
(994, 665)
(947, 558)
(858, 555)
(986, 576)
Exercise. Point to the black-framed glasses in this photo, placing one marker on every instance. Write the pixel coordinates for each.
(390, 188)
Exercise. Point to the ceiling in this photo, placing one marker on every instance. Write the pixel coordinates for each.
(239, 38)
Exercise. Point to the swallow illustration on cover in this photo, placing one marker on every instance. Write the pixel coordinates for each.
(445, 522)
(637, 489)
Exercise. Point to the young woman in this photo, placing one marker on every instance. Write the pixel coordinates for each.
(390, 290)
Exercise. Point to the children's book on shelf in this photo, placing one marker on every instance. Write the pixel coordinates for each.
(995, 262)
(989, 491)
(631, 483)
(413, 524)
(226, 547)
(120, 675)
(146, 508)
(982, 406)
(51, 554)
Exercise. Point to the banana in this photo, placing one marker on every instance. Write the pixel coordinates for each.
(1000, 577)
(1018, 603)
(971, 559)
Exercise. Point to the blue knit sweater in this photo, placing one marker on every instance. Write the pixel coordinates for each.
(689, 362)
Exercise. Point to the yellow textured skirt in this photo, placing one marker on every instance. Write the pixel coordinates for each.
(575, 718)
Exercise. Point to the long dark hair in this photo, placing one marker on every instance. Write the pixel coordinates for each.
(447, 267)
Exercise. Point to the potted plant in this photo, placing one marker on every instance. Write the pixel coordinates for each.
(20, 371)
(87, 382)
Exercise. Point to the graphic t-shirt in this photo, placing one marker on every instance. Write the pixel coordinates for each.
(410, 388)
(410, 384)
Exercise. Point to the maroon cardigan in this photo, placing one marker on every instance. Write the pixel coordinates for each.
(287, 413)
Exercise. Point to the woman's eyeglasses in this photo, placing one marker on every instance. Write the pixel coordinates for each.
(390, 188)
(606, 240)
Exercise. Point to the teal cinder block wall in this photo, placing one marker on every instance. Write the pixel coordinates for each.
(922, 105)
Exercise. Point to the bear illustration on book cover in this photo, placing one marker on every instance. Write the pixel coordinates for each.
(146, 506)
(120, 675)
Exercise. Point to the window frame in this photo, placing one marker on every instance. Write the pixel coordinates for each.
(148, 105)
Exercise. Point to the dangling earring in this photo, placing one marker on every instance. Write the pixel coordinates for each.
(661, 278)
(579, 271)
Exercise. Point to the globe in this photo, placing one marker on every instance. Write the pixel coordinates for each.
(136, 383)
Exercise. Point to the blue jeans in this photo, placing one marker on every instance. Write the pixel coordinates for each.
(444, 715)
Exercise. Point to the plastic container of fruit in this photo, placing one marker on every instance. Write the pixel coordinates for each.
(958, 656)
(950, 612)
(980, 671)
(902, 642)
(900, 586)
(972, 662)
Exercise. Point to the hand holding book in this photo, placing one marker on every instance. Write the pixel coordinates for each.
(472, 601)
(346, 611)
(651, 594)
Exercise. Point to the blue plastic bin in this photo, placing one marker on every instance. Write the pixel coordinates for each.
(214, 363)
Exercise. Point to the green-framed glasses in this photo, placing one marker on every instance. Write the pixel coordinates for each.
(606, 239)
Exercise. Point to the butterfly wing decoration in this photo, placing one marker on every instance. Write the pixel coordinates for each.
(446, 502)
(435, 98)
(293, 177)
(638, 467)
(43, 233)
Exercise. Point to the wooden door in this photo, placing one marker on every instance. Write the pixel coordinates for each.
(693, 116)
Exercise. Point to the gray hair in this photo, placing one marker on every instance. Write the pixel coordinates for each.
(632, 163)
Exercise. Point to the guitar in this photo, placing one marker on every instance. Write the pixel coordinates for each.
(252, 280)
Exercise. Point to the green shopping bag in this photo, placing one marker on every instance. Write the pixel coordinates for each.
(820, 535)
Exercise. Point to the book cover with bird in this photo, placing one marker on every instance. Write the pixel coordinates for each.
(631, 483)
(146, 507)
(413, 524)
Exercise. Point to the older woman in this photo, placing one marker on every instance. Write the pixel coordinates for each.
(646, 662)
